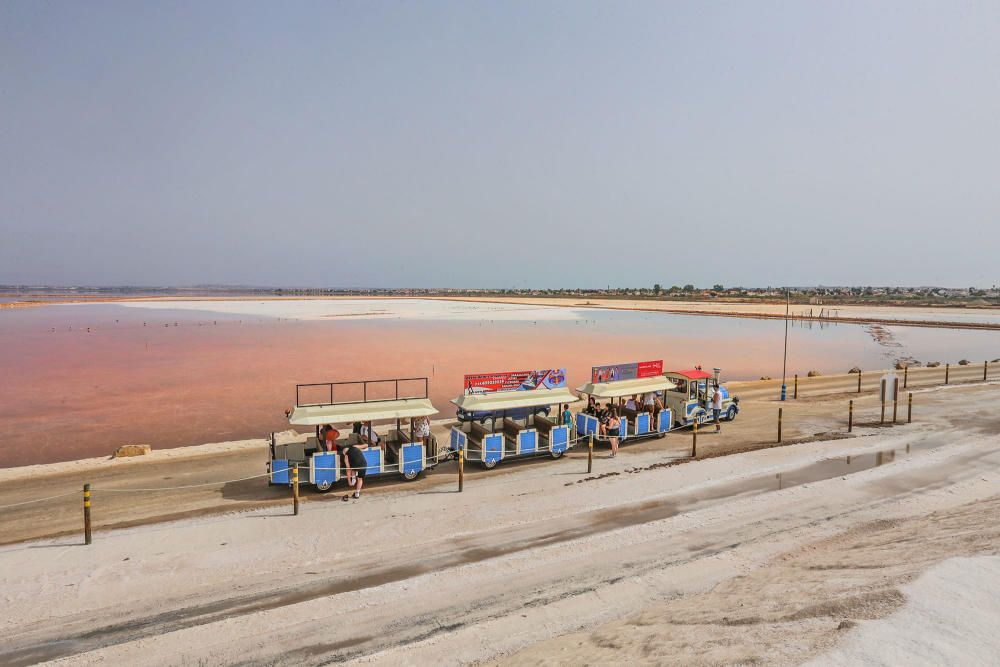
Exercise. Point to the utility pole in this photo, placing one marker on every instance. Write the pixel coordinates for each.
(784, 362)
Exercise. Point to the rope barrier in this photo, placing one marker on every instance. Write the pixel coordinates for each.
(194, 486)
(39, 500)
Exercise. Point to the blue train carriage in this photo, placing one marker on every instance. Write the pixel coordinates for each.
(637, 420)
(690, 397)
(400, 450)
(512, 415)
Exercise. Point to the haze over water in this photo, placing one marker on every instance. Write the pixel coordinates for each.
(183, 373)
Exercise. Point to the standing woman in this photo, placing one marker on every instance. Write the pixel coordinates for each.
(612, 430)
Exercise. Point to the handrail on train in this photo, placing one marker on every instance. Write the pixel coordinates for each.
(364, 391)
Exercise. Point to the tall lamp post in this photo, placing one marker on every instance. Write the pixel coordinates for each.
(784, 361)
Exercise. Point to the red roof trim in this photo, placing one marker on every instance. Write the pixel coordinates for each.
(694, 374)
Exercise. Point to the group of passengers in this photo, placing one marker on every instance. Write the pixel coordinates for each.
(352, 450)
(608, 422)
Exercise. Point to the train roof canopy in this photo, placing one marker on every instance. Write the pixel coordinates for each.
(626, 387)
(403, 408)
(693, 374)
(509, 400)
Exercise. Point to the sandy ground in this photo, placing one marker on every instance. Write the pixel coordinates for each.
(225, 477)
(776, 555)
(893, 314)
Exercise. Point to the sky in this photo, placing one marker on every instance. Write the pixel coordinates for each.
(499, 144)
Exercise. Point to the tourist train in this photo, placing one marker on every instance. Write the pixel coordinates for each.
(499, 417)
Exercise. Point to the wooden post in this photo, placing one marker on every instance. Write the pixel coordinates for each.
(461, 468)
(859, 381)
(87, 535)
(906, 373)
(295, 489)
(850, 416)
(947, 368)
(895, 399)
(909, 408)
(590, 454)
(779, 425)
(694, 439)
(881, 419)
(986, 365)
(796, 392)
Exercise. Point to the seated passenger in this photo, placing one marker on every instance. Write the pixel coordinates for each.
(368, 435)
(328, 438)
(591, 407)
(630, 404)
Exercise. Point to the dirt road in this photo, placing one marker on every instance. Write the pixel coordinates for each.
(737, 557)
(820, 412)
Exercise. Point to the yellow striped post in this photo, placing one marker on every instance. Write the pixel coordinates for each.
(461, 468)
(590, 454)
(694, 439)
(87, 535)
(796, 394)
(859, 380)
(909, 408)
(986, 365)
(779, 425)
(850, 416)
(947, 369)
(295, 489)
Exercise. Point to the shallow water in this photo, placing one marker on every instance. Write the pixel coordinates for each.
(82, 379)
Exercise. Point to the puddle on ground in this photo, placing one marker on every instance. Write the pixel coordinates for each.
(464, 551)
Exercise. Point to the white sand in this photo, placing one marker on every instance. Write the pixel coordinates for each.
(951, 617)
(408, 309)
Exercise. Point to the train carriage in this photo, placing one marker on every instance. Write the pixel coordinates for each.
(400, 451)
(518, 408)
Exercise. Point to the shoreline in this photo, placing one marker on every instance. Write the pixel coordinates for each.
(752, 310)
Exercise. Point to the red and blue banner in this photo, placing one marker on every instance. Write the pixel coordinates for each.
(486, 383)
(632, 371)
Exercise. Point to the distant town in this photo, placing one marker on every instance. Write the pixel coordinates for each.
(968, 297)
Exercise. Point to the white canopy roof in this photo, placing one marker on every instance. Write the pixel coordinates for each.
(404, 408)
(626, 387)
(509, 400)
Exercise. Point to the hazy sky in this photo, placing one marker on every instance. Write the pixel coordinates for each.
(500, 144)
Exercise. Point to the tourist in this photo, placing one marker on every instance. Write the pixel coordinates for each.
(717, 408)
(421, 428)
(368, 435)
(612, 430)
(567, 419)
(357, 467)
(630, 404)
(591, 407)
(328, 438)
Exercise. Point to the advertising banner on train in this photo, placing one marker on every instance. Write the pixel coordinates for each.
(633, 371)
(515, 381)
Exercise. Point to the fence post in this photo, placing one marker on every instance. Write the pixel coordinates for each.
(295, 489)
(895, 399)
(985, 366)
(947, 368)
(694, 439)
(796, 394)
(590, 453)
(906, 373)
(87, 535)
(461, 468)
(850, 416)
(859, 380)
(909, 408)
(779, 425)
(881, 420)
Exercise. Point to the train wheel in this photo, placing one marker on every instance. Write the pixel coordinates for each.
(411, 475)
(489, 464)
(324, 487)
(731, 413)
(557, 455)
